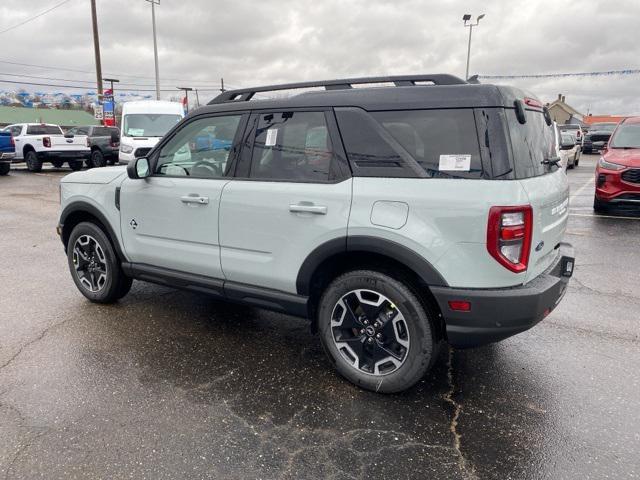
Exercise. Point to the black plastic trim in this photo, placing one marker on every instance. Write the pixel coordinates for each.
(361, 243)
(83, 207)
(266, 298)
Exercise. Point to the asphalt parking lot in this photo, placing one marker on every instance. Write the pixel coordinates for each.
(170, 384)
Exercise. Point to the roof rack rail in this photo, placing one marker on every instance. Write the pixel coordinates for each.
(245, 94)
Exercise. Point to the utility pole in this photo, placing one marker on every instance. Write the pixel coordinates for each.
(96, 48)
(467, 18)
(186, 93)
(155, 44)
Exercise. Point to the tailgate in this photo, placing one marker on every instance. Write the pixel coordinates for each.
(549, 198)
(71, 142)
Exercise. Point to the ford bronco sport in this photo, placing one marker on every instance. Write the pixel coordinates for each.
(395, 217)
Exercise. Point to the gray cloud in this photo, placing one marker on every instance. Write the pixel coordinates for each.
(270, 41)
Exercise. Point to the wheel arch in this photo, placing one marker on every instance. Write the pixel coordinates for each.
(338, 256)
(76, 213)
(27, 148)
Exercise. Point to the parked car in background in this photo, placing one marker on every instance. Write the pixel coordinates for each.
(378, 213)
(569, 152)
(597, 136)
(104, 143)
(7, 152)
(37, 143)
(143, 124)
(618, 170)
(576, 131)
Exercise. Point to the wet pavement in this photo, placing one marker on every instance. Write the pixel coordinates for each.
(170, 384)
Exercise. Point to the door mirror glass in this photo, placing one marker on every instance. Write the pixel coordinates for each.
(139, 168)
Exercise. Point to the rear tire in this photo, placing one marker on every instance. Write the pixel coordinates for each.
(4, 168)
(57, 163)
(376, 331)
(112, 161)
(94, 265)
(34, 164)
(96, 160)
(75, 165)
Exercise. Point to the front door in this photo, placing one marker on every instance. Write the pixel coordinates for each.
(170, 219)
(292, 193)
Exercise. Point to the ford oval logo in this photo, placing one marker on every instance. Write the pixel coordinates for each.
(69, 140)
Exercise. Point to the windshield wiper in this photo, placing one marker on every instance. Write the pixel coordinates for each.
(551, 161)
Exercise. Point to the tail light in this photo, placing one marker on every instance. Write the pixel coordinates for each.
(46, 142)
(87, 141)
(509, 236)
(13, 142)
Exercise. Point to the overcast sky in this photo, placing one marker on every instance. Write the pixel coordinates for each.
(269, 41)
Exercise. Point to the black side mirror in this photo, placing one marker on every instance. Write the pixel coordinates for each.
(139, 168)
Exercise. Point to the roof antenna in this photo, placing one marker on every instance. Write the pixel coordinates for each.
(473, 79)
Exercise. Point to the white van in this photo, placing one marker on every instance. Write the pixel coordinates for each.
(143, 124)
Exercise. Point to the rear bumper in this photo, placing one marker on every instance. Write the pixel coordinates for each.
(64, 154)
(6, 156)
(500, 313)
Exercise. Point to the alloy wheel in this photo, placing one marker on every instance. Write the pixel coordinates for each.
(370, 332)
(90, 263)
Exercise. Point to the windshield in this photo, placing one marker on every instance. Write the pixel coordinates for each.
(148, 124)
(606, 127)
(627, 136)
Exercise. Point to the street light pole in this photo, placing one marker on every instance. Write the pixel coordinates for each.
(155, 44)
(467, 18)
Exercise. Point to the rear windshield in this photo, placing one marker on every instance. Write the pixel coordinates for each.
(531, 144)
(102, 132)
(411, 143)
(626, 136)
(43, 130)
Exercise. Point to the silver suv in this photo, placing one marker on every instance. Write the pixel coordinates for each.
(396, 217)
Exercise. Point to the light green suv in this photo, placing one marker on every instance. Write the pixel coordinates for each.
(396, 218)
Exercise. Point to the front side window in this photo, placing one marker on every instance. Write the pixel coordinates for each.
(293, 146)
(626, 136)
(148, 124)
(16, 131)
(200, 149)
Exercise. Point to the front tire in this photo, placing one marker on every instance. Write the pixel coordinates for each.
(599, 206)
(376, 331)
(57, 163)
(4, 169)
(94, 265)
(34, 164)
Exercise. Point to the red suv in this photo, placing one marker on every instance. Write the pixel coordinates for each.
(618, 170)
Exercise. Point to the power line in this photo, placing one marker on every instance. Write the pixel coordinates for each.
(92, 72)
(34, 17)
(84, 87)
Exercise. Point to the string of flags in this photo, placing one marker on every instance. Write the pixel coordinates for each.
(564, 75)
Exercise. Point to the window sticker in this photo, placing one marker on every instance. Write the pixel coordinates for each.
(272, 137)
(457, 163)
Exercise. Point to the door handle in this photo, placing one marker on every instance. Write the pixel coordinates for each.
(194, 198)
(308, 208)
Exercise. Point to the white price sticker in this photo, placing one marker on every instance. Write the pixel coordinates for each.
(272, 137)
(456, 163)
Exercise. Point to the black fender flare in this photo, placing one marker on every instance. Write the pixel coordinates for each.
(362, 243)
(87, 208)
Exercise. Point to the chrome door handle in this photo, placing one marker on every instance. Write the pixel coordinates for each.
(194, 198)
(308, 208)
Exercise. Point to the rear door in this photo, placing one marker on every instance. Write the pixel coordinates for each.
(290, 195)
(170, 220)
(16, 132)
(546, 186)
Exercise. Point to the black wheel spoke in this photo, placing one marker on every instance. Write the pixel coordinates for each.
(350, 319)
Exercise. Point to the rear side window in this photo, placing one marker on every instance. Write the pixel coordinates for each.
(43, 130)
(531, 144)
(293, 146)
(101, 132)
(412, 143)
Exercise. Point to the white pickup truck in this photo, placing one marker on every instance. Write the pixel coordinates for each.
(37, 143)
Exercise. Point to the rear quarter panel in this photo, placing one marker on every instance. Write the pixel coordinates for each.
(446, 223)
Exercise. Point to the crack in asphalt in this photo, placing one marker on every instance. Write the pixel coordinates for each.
(40, 336)
(466, 470)
(582, 286)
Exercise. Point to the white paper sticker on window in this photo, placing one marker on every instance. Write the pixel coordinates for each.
(457, 163)
(272, 137)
